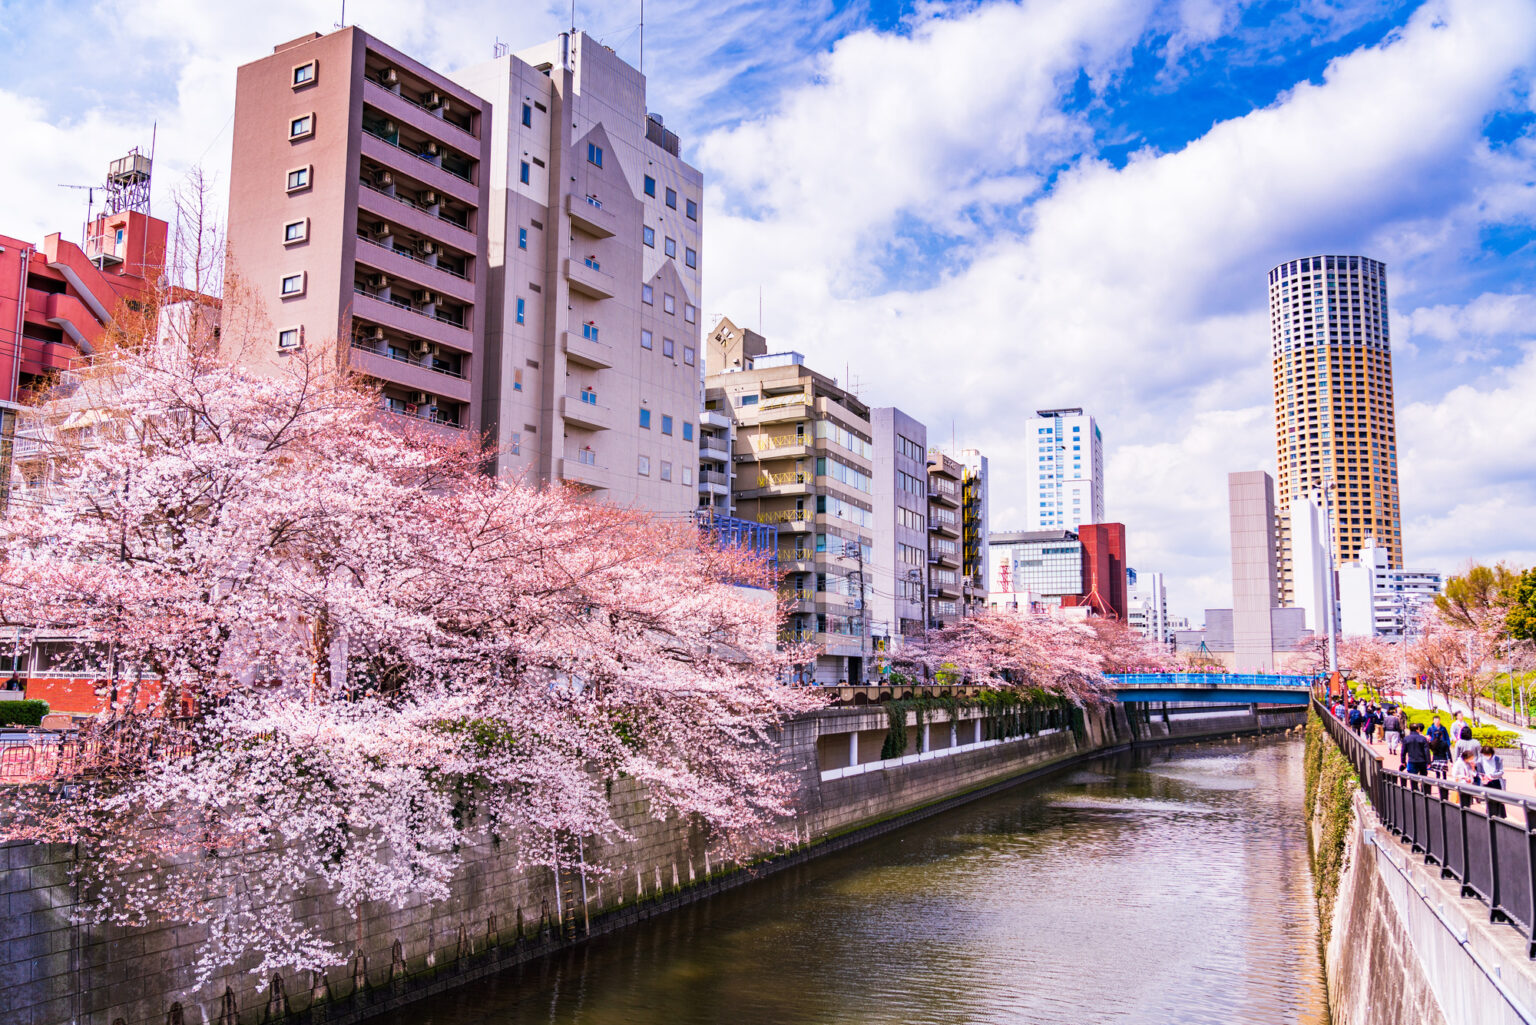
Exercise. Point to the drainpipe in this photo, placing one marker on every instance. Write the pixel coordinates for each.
(21, 314)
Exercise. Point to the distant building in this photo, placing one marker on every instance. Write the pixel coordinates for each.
(901, 559)
(1147, 607)
(1042, 569)
(976, 524)
(1309, 565)
(1063, 470)
(947, 589)
(1376, 600)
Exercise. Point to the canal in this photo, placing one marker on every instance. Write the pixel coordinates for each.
(1169, 885)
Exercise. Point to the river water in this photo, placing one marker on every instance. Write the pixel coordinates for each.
(1164, 886)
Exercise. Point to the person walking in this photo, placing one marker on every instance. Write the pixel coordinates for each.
(1392, 725)
(1457, 723)
(1490, 769)
(1416, 751)
(1439, 747)
(1464, 742)
(1354, 718)
(1464, 773)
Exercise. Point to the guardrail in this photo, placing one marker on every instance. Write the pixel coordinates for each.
(1492, 855)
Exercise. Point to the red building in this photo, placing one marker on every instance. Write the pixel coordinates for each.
(1103, 569)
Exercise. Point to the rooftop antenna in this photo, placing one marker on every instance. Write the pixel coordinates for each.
(499, 49)
(90, 207)
(642, 37)
(573, 19)
(343, 22)
(759, 309)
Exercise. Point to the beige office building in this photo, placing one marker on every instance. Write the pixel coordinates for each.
(356, 198)
(1335, 424)
(804, 462)
(594, 229)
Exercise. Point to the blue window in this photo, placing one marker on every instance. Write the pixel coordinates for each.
(589, 332)
(648, 236)
(527, 116)
(594, 154)
(666, 424)
(645, 419)
(692, 209)
(650, 186)
(687, 431)
(522, 173)
(749, 400)
(672, 198)
(522, 238)
(522, 309)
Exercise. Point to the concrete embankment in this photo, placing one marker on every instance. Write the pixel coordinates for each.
(1401, 945)
(55, 970)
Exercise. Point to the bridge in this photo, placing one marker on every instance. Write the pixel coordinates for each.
(1217, 688)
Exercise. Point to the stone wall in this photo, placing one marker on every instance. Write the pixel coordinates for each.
(54, 971)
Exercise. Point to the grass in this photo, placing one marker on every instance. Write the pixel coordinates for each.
(1330, 788)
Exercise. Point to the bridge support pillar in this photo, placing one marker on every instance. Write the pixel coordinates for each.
(853, 748)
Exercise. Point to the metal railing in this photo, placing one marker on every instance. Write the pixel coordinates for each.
(765, 480)
(414, 257)
(400, 358)
(1492, 855)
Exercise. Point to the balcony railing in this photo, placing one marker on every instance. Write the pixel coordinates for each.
(784, 516)
(417, 257)
(407, 201)
(405, 304)
(436, 161)
(798, 399)
(768, 442)
(425, 364)
(765, 480)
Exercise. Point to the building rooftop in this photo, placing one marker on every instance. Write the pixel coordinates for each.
(1023, 536)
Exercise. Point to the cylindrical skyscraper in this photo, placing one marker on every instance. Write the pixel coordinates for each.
(1334, 419)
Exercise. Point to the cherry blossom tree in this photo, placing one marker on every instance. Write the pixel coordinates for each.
(1041, 654)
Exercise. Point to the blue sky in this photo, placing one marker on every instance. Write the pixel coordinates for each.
(985, 208)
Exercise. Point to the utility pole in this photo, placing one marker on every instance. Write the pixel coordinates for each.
(1332, 597)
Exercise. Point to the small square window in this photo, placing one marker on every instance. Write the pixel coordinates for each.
(527, 116)
(668, 347)
(301, 127)
(645, 338)
(304, 74)
(650, 186)
(522, 172)
(690, 312)
(668, 303)
(295, 231)
(688, 355)
(645, 466)
(522, 238)
(293, 284)
(690, 258)
(298, 178)
(645, 418)
(648, 236)
(692, 209)
(666, 470)
(594, 154)
(647, 295)
(666, 423)
(687, 431)
(672, 198)
(670, 247)
(290, 338)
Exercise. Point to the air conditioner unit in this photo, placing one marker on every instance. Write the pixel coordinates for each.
(431, 149)
(389, 76)
(379, 280)
(375, 334)
(383, 230)
(427, 247)
(421, 398)
(422, 347)
(424, 297)
(435, 99)
(430, 198)
(390, 128)
(383, 178)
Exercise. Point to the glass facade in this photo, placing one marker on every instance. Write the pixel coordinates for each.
(1048, 568)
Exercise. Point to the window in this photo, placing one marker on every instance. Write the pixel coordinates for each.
(645, 466)
(647, 295)
(522, 310)
(594, 154)
(293, 284)
(522, 238)
(667, 347)
(117, 237)
(690, 258)
(648, 236)
(522, 172)
(668, 303)
(748, 400)
(687, 431)
(666, 423)
(298, 178)
(692, 209)
(296, 231)
(650, 186)
(672, 198)
(645, 338)
(670, 247)
(690, 312)
(304, 74)
(688, 355)
(527, 116)
(290, 338)
(301, 127)
(666, 470)
(645, 418)
(687, 475)
(517, 379)
(589, 332)
(517, 443)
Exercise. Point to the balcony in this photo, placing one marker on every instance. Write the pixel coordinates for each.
(944, 524)
(713, 448)
(405, 266)
(586, 474)
(715, 418)
(589, 279)
(580, 411)
(714, 482)
(588, 352)
(407, 213)
(589, 216)
(790, 521)
(421, 117)
(786, 482)
(402, 317)
(382, 151)
(944, 493)
(407, 373)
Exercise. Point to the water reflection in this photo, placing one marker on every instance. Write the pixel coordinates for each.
(1169, 886)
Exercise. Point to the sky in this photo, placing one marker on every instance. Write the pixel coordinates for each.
(974, 210)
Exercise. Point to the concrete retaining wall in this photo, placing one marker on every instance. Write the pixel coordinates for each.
(54, 971)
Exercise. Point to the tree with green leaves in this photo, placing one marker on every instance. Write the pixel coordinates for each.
(1520, 616)
(1479, 594)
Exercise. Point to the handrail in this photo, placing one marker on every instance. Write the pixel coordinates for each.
(787, 477)
(412, 256)
(405, 359)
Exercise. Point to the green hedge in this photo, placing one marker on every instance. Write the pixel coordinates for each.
(1484, 734)
(22, 713)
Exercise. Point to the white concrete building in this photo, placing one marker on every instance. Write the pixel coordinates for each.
(901, 562)
(1063, 470)
(1376, 600)
(1147, 608)
(1309, 563)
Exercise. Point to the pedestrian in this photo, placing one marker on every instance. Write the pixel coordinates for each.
(1438, 736)
(1354, 718)
(1392, 725)
(1464, 773)
(1457, 722)
(1379, 722)
(1416, 752)
(1490, 769)
(1464, 742)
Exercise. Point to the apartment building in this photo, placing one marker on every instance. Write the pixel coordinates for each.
(804, 462)
(358, 192)
(901, 563)
(1378, 600)
(717, 471)
(975, 528)
(594, 233)
(1063, 470)
(947, 591)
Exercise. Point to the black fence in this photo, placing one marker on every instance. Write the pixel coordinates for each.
(1479, 837)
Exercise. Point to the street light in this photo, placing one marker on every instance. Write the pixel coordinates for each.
(1326, 483)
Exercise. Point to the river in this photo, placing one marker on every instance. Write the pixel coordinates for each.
(1164, 886)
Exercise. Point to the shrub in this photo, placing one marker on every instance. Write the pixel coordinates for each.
(1485, 734)
(22, 713)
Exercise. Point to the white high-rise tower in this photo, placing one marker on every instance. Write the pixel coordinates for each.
(1064, 470)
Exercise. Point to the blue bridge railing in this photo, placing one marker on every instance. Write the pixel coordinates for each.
(1229, 680)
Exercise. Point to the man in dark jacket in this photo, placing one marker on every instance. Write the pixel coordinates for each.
(1416, 750)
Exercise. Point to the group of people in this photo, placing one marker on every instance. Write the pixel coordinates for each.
(1446, 752)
